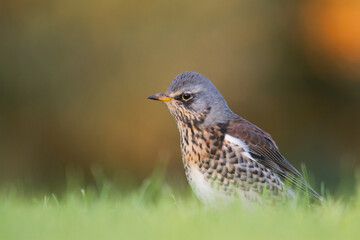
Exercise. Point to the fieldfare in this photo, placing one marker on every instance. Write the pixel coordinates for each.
(224, 155)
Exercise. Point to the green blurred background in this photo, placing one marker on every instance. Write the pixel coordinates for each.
(74, 77)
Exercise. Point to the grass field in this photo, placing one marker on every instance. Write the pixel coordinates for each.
(155, 211)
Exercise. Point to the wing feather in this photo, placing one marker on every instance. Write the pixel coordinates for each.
(263, 148)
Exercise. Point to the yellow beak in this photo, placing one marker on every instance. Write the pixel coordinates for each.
(160, 97)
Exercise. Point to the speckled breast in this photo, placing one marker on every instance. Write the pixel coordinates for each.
(219, 169)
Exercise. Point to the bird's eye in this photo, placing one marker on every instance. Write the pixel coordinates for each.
(186, 96)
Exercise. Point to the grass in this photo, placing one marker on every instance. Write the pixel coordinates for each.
(155, 211)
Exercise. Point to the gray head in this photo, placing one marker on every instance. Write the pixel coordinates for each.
(192, 94)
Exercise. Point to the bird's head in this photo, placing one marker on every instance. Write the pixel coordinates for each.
(191, 96)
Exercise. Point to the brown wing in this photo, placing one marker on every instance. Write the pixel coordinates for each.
(263, 148)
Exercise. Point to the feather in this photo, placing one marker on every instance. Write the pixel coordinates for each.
(263, 149)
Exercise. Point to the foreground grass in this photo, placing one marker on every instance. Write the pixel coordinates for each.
(157, 213)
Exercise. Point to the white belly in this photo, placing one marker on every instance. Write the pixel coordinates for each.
(204, 190)
(209, 194)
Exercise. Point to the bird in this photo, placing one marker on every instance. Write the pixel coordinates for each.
(226, 157)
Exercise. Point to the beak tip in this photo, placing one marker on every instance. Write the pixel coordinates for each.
(152, 97)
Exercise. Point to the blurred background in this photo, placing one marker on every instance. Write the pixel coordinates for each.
(74, 77)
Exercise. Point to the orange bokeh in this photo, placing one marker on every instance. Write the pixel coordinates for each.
(332, 28)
